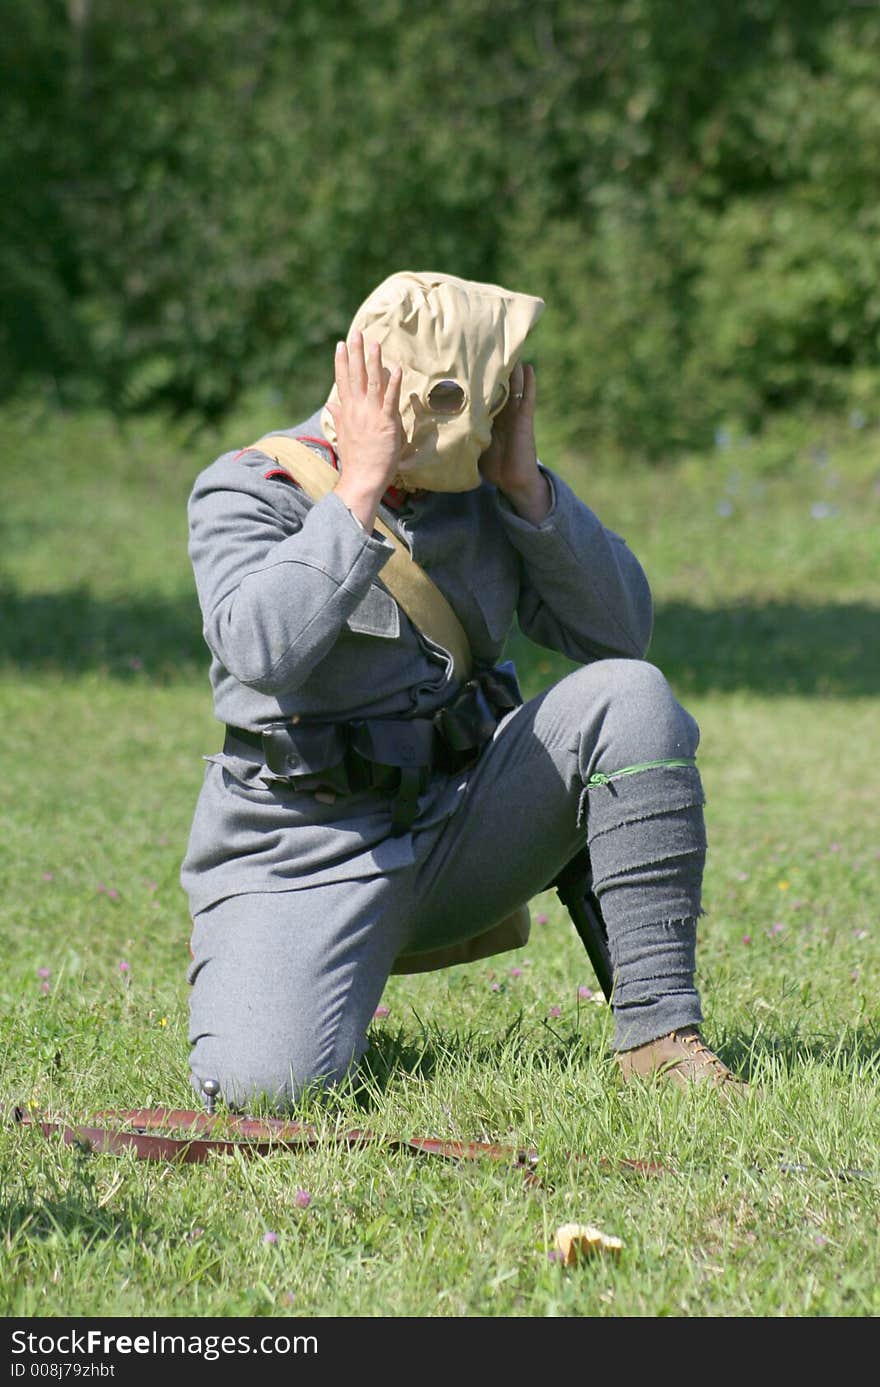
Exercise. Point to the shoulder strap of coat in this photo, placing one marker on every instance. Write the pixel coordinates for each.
(408, 584)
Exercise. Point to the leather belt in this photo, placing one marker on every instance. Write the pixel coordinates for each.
(177, 1134)
(358, 765)
(243, 734)
(392, 755)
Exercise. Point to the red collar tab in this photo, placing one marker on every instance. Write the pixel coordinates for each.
(394, 497)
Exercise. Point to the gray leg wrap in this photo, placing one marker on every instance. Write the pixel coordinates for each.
(654, 989)
(647, 843)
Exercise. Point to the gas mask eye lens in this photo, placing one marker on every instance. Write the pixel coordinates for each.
(446, 397)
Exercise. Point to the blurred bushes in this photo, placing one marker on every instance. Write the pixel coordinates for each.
(196, 194)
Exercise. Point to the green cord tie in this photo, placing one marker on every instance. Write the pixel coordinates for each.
(600, 779)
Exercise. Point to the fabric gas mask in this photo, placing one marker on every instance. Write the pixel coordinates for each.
(457, 343)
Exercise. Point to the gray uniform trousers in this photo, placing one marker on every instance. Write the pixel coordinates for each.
(285, 983)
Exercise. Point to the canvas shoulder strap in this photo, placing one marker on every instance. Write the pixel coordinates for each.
(408, 584)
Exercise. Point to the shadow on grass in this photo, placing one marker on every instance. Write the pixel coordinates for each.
(746, 1052)
(770, 648)
(74, 1212)
(74, 632)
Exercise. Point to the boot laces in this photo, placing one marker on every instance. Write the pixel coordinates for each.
(704, 1056)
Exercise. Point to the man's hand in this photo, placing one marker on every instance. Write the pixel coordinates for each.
(511, 462)
(369, 430)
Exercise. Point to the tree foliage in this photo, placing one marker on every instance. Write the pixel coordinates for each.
(198, 193)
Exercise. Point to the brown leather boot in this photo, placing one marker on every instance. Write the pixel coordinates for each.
(682, 1058)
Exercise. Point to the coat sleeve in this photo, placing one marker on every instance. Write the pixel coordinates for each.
(277, 576)
(584, 593)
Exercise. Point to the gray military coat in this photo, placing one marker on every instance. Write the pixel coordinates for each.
(298, 622)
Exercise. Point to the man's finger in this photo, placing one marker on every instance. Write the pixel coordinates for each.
(529, 391)
(374, 372)
(505, 417)
(357, 367)
(391, 403)
(515, 392)
(340, 370)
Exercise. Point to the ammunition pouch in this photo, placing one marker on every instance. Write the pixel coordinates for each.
(394, 755)
(469, 720)
(293, 753)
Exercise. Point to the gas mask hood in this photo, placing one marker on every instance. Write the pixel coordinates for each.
(457, 342)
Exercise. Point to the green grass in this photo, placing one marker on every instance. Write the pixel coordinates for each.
(763, 560)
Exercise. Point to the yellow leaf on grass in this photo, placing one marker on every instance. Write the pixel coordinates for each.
(579, 1240)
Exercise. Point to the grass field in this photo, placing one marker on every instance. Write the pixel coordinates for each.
(763, 557)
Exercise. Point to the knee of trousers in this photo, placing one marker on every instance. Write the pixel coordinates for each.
(629, 714)
(262, 1064)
